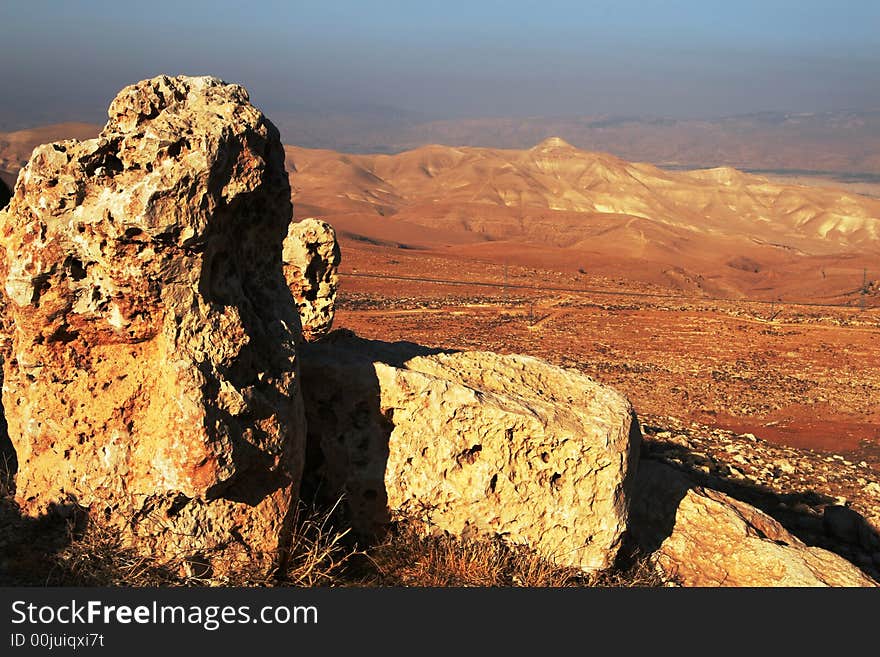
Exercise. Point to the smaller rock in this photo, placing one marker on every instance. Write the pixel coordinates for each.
(311, 259)
(785, 466)
(473, 444)
(702, 537)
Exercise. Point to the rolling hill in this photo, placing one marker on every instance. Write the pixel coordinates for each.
(716, 231)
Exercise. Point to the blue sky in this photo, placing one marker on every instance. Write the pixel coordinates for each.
(65, 60)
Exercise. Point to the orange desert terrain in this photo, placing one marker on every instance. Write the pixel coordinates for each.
(711, 296)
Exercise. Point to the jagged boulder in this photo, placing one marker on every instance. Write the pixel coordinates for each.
(703, 537)
(151, 371)
(311, 261)
(472, 443)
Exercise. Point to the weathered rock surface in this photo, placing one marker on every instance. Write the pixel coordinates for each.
(473, 442)
(151, 374)
(311, 260)
(702, 537)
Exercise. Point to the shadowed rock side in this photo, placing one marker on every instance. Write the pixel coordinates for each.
(702, 537)
(5, 194)
(151, 374)
(311, 260)
(473, 443)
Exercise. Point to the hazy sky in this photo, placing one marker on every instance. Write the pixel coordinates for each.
(66, 59)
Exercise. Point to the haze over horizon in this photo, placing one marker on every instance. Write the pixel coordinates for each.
(404, 61)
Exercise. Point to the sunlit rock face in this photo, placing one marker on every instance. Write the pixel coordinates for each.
(150, 370)
(311, 263)
(473, 444)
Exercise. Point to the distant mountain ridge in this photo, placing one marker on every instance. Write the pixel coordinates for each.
(844, 142)
(719, 230)
(558, 177)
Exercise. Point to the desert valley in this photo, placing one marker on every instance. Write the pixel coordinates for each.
(737, 313)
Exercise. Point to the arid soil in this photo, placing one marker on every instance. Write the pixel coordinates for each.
(690, 310)
(800, 375)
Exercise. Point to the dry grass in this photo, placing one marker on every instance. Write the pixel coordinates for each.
(638, 573)
(409, 558)
(80, 552)
(320, 555)
(95, 556)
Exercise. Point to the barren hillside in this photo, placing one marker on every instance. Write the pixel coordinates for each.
(715, 232)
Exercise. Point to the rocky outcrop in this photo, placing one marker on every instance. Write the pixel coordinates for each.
(703, 537)
(311, 260)
(473, 443)
(151, 373)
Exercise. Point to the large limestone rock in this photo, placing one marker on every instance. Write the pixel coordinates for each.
(473, 443)
(311, 261)
(702, 537)
(151, 374)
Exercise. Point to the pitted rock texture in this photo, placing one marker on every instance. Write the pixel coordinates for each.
(703, 537)
(311, 261)
(473, 443)
(151, 371)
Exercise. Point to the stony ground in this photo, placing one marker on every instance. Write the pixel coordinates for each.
(800, 376)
